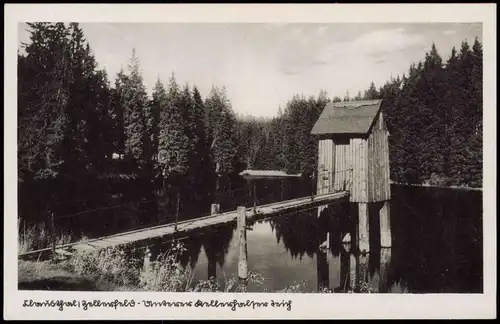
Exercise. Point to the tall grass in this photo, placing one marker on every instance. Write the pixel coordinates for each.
(124, 268)
(38, 236)
(131, 271)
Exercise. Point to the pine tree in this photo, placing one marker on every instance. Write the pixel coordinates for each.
(44, 82)
(477, 111)
(186, 105)
(372, 92)
(201, 158)
(135, 103)
(159, 106)
(347, 97)
(221, 133)
(117, 107)
(45, 77)
(173, 144)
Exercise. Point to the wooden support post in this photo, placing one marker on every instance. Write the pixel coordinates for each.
(242, 256)
(385, 226)
(363, 228)
(385, 261)
(214, 209)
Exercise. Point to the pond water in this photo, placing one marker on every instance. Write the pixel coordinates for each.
(437, 247)
(436, 239)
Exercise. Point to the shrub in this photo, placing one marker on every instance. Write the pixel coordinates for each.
(112, 265)
(166, 273)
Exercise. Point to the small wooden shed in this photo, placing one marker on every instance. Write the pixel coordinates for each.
(353, 150)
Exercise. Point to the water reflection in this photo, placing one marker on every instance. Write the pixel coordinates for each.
(436, 242)
(436, 247)
(216, 246)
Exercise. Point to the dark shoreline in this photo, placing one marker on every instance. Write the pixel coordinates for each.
(436, 186)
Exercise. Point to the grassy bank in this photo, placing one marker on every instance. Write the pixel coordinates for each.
(38, 236)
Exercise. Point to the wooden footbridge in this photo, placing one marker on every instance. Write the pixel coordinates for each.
(184, 227)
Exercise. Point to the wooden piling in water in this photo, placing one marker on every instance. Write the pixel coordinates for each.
(385, 226)
(363, 228)
(242, 256)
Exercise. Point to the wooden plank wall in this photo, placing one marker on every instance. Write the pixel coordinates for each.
(326, 166)
(359, 159)
(378, 168)
(342, 165)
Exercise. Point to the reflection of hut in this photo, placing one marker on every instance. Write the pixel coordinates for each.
(354, 156)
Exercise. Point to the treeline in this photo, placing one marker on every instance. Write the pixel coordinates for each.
(77, 130)
(434, 116)
(77, 133)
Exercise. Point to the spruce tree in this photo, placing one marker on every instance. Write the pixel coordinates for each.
(221, 134)
(135, 103)
(372, 92)
(159, 106)
(173, 144)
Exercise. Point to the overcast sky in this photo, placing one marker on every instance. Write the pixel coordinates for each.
(264, 65)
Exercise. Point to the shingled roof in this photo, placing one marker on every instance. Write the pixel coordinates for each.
(348, 117)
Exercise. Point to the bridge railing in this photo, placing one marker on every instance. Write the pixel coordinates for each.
(334, 181)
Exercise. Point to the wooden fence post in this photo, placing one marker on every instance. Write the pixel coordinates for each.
(177, 209)
(53, 234)
(254, 198)
(147, 260)
(242, 256)
(214, 209)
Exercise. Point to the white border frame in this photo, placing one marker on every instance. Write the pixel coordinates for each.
(303, 305)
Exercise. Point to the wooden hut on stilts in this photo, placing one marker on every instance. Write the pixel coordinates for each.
(353, 155)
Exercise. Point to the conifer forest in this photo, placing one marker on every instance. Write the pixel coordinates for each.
(83, 133)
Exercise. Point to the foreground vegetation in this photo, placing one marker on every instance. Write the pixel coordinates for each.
(119, 270)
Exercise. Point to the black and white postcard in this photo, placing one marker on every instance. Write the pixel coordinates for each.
(249, 161)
